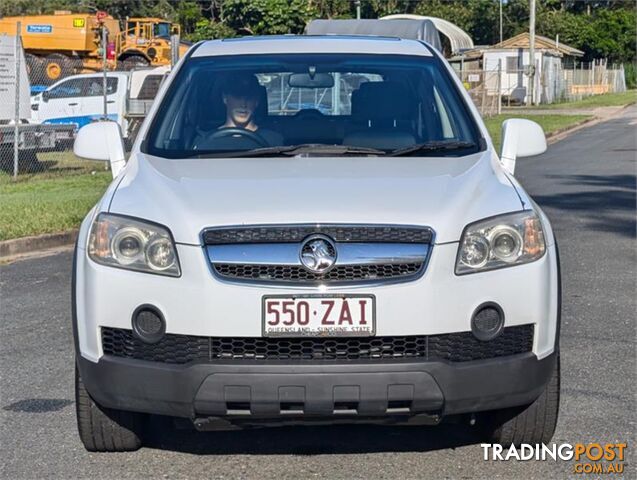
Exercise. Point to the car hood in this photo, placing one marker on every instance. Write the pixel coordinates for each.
(189, 195)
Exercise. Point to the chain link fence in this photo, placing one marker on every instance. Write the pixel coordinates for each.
(484, 89)
(592, 78)
(37, 127)
(490, 89)
(43, 103)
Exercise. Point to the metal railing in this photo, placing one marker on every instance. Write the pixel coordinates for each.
(40, 115)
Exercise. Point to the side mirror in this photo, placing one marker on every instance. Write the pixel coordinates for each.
(45, 96)
(101, 141)
(520, 138)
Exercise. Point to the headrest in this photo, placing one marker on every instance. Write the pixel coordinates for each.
(382, 101)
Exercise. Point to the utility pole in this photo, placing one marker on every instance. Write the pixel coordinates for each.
(104, 78)
(16, 119)
(501, 21)
(174, 49)
(358, 9)
(531, 96)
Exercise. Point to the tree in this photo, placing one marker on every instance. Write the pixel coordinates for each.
(601, 28)
(607, 33)
(209, 29)
(188, 14)
(266, 17)
(380, 8)
(331, 8)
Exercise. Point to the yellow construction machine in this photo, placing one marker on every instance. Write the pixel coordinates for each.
(65, 43)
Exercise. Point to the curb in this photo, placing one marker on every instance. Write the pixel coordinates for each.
(18, 246)
(562, 132)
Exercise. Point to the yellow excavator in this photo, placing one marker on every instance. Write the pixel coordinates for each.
(66, 43)
(146, 41)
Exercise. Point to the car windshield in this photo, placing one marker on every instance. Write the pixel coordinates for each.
(336, 104)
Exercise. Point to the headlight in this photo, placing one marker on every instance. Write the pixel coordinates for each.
(124, 242)
(501, 241)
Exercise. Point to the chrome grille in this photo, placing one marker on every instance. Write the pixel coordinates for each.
(452, 347)
(296, 233)
(363, 253)
(291, 273)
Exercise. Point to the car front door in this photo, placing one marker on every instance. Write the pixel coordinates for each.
(61, 102)
(93, 101)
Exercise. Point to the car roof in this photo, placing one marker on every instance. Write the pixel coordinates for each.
(312, 44)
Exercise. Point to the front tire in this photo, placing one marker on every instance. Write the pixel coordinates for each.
(104, 429)
(531, 424)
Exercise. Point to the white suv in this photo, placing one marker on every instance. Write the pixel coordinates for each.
(315, 229)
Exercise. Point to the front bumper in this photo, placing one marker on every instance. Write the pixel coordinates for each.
(275, 390)
(197, 303)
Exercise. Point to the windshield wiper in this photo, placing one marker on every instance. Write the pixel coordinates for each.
(290, 150)
(432, 146)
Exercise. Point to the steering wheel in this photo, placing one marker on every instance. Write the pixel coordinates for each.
(235, 132)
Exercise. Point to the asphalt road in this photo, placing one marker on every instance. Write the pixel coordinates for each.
(586, 184)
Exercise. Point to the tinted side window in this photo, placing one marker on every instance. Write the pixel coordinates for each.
(94, 86)
(162, 30)
(70, 88)
(149, 88)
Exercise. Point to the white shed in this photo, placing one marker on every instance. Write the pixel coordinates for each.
(514, 80)
(512, 56)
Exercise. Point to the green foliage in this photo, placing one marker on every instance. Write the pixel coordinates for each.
(601, 28)
(332, 8)
(207, 30)
(267, 17)
(162, 9)
(188, 14)
(630, 72)
(605, 34)
(613, 34)
(460, 13)
(380, 8)
(32, 7)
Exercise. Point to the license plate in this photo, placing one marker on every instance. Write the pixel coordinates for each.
(319, 316)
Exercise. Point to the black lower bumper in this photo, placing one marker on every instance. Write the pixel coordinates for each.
(258, 390)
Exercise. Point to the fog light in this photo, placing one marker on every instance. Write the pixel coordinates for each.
(487, 321)
(148, 324)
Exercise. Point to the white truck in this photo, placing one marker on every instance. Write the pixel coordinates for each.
(78, 100)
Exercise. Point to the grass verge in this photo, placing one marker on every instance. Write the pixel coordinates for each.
(50, 201)
(606, 100)
(550, 123)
